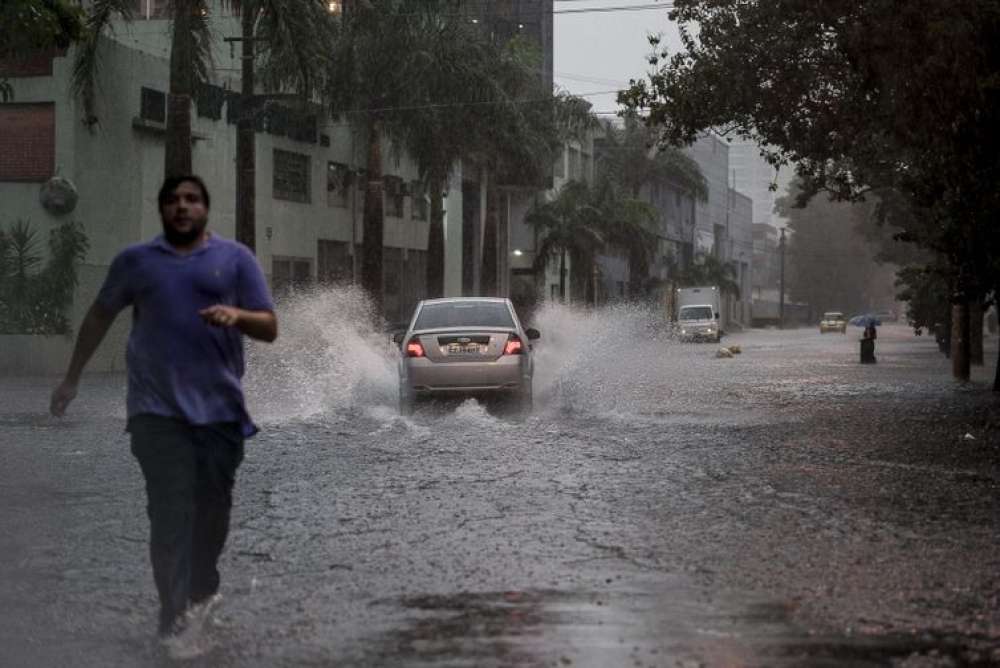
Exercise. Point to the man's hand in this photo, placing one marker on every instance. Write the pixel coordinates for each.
(221, 315)
(61, 397)
(260, 325)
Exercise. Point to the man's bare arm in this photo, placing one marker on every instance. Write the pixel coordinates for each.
(260, 325)
(92, 331)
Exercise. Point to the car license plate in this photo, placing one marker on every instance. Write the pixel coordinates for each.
(465, 348)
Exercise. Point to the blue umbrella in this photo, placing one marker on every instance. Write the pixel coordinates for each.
(865, 320)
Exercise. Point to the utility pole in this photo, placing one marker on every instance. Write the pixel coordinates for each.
(246, 173)
(781, 281)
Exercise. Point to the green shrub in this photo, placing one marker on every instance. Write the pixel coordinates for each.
(34, 297)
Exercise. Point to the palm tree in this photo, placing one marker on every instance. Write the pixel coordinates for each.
(29, 26)
(629, 224)
(445, 124)
(294, 38)
(282, 24)
(630, 155)
(34, 298)
(190, 55)
(569, 226)
(524, 129)
(417, 75)
(377, 67)
(709, 270)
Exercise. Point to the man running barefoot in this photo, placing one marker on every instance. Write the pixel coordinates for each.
(193, 296)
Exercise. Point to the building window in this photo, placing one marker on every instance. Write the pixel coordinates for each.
(153, 105)
(338, 184)
(33, 63)
(395, 194)
(420, 202)
(151, 9)
(291, 176)
(334, 262)
(289, 274)
(27, 142)
(209, 101)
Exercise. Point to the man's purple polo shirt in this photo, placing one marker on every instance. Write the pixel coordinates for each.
(178, 365)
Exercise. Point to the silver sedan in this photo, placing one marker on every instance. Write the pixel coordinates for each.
(467, 346)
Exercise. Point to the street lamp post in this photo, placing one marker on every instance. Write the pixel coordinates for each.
(781, 281)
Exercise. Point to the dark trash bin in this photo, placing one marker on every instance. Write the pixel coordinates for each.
(868, 351)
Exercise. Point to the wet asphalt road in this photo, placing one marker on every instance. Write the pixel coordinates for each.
(788, 507)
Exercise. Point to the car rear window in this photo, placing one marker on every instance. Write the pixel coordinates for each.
(464, 314)
(833, 315)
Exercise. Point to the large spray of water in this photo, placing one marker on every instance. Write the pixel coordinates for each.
(329, 359)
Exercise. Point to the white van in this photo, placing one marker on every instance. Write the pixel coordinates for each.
(698, 314)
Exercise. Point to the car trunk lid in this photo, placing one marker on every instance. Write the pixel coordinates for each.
(465, 346)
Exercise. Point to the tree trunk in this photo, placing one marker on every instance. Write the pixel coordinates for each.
(177, 149)
(562, 276)
(246, 187)
(976, 317)
(960, 340)
(435, 240)
(594, 278)
(996, 377)
(371, 256)
(489, 283)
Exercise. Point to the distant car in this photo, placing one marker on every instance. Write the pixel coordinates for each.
(833, 321)
(467, 346)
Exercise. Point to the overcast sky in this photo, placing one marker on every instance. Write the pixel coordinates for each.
(601, 50)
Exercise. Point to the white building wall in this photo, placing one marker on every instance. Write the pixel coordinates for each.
(118, 170)
(712, 156)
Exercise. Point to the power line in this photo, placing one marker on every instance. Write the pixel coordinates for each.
(619, 8)
(588, 79)
(444, 105)
(471, 13)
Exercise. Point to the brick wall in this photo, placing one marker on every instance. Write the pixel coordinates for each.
(35, 64)
(27, 141)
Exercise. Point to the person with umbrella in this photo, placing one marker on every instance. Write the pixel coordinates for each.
(869, 322)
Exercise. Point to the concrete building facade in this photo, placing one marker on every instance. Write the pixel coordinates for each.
(309, 203)
(723, 223)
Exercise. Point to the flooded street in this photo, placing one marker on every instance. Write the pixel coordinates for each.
(661, 507)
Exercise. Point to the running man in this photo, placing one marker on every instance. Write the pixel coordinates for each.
(193, 297)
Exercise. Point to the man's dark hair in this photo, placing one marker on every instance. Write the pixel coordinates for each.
(170, 185)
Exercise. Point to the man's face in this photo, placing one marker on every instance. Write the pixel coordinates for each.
(184, 214)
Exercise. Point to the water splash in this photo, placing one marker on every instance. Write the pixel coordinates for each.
(327, 359)
(597, 359)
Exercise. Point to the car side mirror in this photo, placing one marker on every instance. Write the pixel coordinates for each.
(533, 334)
(716, 315)
(398, 337)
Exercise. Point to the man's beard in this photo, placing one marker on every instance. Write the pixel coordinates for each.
(177, 238)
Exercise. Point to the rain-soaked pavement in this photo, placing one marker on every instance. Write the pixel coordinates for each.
(787, 507)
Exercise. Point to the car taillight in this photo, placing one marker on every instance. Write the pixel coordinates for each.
(414, 349)
(514, 346)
